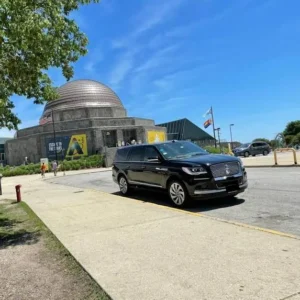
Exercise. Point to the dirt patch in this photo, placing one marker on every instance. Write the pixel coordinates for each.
(34, 264)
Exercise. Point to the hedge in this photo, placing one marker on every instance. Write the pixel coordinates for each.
(94, 161)
(214, 150)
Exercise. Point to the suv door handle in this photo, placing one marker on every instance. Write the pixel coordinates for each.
(143, 167)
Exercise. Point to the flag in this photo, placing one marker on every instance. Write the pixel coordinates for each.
(207, 123)
(207, 113)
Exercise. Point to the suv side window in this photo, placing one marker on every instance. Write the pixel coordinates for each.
(150, 153)
(121, 154)
(137, 154)
(254, 145)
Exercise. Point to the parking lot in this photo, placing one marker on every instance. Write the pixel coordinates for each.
(272, 200)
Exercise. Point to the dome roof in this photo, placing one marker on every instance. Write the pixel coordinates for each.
(84, 93)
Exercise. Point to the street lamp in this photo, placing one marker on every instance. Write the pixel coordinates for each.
(231, 142)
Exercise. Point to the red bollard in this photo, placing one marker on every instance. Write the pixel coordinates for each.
(18, 192)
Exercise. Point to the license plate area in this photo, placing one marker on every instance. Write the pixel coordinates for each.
(232, 188)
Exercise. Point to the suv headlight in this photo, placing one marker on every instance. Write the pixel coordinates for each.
(194, 170)
(241, 163)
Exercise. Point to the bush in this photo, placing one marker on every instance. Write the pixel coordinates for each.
(94, 161)
(214, 150)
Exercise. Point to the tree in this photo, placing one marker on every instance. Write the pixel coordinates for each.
(34, 36)
(296, 139)
(262, 140)
(292, 128)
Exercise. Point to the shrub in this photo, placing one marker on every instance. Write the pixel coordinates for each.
(94, 161)
(214, 150)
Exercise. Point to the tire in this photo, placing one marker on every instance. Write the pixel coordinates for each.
(123, 185)
(246, 154)
(178, 193)
(265, 153)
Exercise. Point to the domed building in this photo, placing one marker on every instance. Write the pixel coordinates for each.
(88, 118)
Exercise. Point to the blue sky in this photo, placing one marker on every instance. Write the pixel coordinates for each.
(172, 59)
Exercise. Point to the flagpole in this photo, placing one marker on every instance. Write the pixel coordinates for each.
(213, 124)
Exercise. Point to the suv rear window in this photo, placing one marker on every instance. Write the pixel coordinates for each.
(121, 154)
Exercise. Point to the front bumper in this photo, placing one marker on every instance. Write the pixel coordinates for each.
(219, 187)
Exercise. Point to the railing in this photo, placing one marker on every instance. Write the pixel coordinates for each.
(285, 150)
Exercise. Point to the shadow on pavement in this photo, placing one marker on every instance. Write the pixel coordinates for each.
(161, 198)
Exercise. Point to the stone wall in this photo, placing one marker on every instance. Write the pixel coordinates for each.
(31, 142)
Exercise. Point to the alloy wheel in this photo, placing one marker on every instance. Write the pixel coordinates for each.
(123, 185)
(177, 193)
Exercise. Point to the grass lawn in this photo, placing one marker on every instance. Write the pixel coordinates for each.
(36, 264)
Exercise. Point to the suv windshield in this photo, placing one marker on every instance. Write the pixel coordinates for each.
(179, 150)
(245, 145)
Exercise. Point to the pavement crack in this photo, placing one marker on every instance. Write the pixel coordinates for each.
(290, 296)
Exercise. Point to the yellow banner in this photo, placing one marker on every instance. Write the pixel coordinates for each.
(156, 136)
(77, 146)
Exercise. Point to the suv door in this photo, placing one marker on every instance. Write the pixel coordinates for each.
(155, 173)
(254, 149)
(135, 165)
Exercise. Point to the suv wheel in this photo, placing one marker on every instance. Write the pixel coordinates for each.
(265, 152)
(123, 185)
(246, 154)
(177, 193)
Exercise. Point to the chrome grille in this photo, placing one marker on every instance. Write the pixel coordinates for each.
(225, 169)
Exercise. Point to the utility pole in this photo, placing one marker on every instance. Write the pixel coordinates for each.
(231, 141)
(54, 135)
(218, 130)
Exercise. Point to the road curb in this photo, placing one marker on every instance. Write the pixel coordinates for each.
(273, 166)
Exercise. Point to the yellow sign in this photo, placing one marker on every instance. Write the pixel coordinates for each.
(77, 146)
(156, 136)
(46, 162)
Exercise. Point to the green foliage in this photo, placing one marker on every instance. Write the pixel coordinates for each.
(296, 139)
(34, 36)
(262, 140)
(292, 128)
(289, 139)
(214, 150)
(95, 161)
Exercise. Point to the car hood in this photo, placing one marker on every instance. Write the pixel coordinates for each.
(209, 159)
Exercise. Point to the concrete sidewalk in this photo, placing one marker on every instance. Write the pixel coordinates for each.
(136, 250)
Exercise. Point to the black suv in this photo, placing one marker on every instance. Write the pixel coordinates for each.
(182, 168)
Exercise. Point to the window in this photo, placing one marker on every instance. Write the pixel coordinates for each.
(179, 150)
(129, 135)
(121, 154)
(150, 153)
(110, 138)
(137, 154)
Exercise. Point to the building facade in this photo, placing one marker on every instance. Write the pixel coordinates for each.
(88, 118)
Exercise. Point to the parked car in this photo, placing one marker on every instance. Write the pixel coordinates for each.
(181, 168)
(253, 149)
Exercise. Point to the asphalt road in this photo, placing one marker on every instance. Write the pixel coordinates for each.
(272, 200)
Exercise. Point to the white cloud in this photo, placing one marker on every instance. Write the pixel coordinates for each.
(121, 69)
(154, 15)
(158, 59)
(94, 57)
(150, 17)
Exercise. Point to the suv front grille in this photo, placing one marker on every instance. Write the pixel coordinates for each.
(225, 169)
